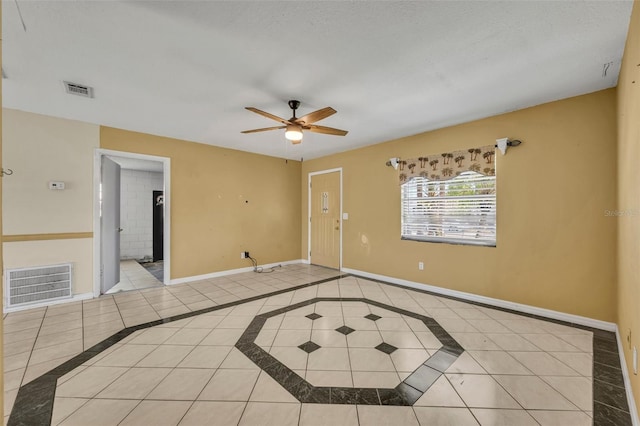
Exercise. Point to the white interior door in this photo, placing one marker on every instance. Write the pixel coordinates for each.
(110, 225)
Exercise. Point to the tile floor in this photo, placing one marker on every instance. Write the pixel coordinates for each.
(134, 276)
(341, 350)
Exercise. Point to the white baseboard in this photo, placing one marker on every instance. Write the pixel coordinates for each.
(635, 421)
(230, 272)
(547, 313)
(75, 298)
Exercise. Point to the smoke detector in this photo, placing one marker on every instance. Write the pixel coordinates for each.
(78, 89)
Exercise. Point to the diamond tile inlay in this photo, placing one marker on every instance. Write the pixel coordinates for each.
(309, 346)
(313, 316)
(373, 317)
(386, 348)
(345, 330)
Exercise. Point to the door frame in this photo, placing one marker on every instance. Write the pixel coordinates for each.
(322, 172)
(97, 237)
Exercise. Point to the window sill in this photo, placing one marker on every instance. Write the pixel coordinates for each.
(451, 241)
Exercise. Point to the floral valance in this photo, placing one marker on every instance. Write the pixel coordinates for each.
(448, 165)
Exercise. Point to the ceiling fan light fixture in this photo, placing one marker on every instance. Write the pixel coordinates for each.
(293, 133)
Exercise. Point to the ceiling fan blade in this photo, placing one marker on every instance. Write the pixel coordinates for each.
(264, 129)
(266, 114)
(318, 115)
(326, 130)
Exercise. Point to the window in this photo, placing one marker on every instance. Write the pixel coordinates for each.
(459, 210)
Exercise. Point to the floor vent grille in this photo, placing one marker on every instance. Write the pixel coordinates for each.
(38, 284)
(78, 89)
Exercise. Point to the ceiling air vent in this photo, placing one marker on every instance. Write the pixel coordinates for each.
(78, 89)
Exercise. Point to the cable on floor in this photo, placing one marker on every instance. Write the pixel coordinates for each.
(259, 269)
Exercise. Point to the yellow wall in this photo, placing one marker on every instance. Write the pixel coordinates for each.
(40, 149)
(628, 196)
(223, 202)
(555, 247)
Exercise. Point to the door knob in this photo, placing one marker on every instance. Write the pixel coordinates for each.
(120, 229)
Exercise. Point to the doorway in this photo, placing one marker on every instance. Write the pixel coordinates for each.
(325, 218)
(131, 221)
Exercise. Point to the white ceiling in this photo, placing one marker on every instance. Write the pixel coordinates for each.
(187, 69)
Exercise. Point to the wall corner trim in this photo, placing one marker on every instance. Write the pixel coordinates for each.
(528, 309)
(230, 272)
(635, 420)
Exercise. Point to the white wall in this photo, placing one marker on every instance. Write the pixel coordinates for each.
(40, 149)
(136, 212)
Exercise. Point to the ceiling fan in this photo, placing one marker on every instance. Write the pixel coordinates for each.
(295, 125)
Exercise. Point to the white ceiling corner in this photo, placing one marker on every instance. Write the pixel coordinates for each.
(187, 69)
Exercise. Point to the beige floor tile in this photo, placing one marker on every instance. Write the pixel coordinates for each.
(19, 325)
(205, 322)
(428, 340)
(444, 416)
(89, 382)
(376, 379)
(578, 390)
(36, 370)
(503, 417)
(205, 357)
(222, 337)
(13, 379)
(153, 336)
(65, 317)
(580, 362)
(366, 359)
(182, 384)
(157, 413)
(165, 356)
(386, 415)
(237, 360)
(269, 413)
(481, 391)
(440, 394)
(70, 374)
(188, 336)
(291, 337)
(329, 378)
(293, 357)
(561, 418)
(213, 413)
(550, 343)
(18, 347)
(230, 385)
(136, 383)
(584, 342)
(328, 415)
(56, 351)
(126, 355)
(63, 407)
(543, 364)
(130, 321)
(498, 362)
(409, 359)
(15, 362)
(20, 336)
(58, 338)
(512, 342)
(60, 327)
(533, 393)
(475, 341)
(169, 312)
(267, 389)
(100, 412)
(357, 339)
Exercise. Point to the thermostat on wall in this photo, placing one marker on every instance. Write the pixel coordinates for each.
(56, 185)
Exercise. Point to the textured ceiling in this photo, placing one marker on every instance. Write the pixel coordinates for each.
(187, 69)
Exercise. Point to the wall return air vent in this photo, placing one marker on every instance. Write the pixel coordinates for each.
(78, 89)
(37, 284)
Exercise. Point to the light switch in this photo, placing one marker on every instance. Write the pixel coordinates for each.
(56, 185)
(345, 216)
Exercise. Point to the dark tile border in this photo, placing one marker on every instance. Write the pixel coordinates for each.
(34, 402)
(607, 376)
(406, 393)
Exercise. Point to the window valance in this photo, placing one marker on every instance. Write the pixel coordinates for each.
(448, 165)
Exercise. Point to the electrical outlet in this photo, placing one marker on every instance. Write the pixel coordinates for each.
(246, 254)
(242, 254)
(421, 266)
